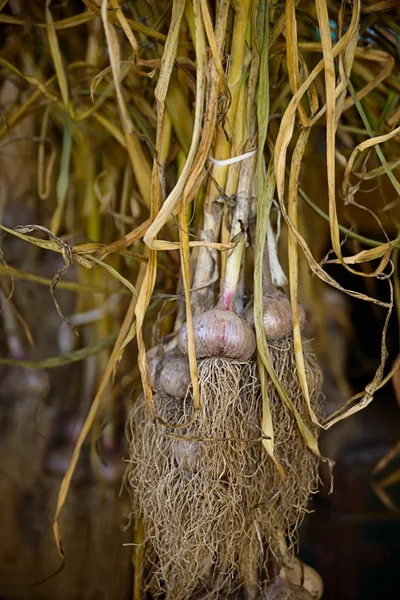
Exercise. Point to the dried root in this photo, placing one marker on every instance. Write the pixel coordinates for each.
(212, 500)
(285, 508)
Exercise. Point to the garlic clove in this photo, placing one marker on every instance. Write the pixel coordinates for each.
(219, 332)
(278, 318)
(174, 377)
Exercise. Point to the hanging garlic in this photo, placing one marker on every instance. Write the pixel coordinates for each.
(280, 590)
(313, 582)
(278, 318)
(174, 377)
(169, 373)
(219, 332)
(299, 573)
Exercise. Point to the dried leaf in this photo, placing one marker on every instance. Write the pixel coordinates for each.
(167, 63)
(264, 206)
(374, 141)
(134, 25)
(64, 359)
(368, 395)
(175, 196)
(139, 162)
(57, 58)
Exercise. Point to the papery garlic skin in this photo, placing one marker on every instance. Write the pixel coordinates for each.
(278, 317)
(279, 590)
(219, 332)
(174, 377)
(298, 573)
(154, 361)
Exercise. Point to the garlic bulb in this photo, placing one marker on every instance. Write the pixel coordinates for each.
(174, 377)
(299, 573)
(278, 318)
(187, 455)
(313, 583)
(285, 591)
(219, 332)
(169, 373)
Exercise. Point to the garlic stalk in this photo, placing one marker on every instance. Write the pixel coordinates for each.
(239, 226)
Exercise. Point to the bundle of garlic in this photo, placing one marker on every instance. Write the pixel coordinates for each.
(212, 499)
(213, 502)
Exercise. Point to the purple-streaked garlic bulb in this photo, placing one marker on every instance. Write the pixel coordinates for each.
(219, 332)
